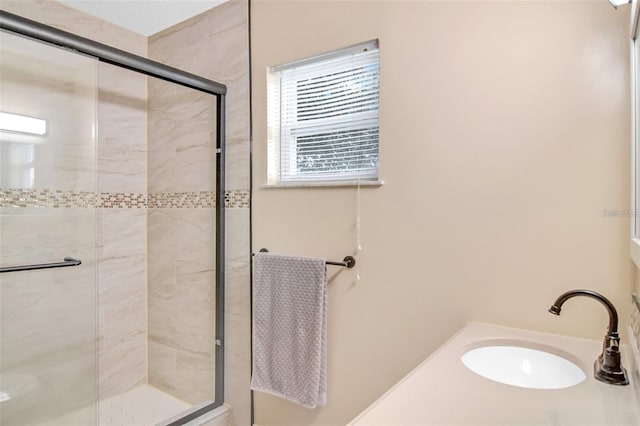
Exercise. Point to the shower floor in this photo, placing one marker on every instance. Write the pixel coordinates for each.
(141, 406)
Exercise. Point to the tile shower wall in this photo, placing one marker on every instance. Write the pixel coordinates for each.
(219, 39)
(47, 317)
(122, 249)
(215, 45)
(181, 236)
(121, 183)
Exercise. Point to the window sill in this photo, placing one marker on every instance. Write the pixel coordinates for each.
(635, 251)
(345, 184)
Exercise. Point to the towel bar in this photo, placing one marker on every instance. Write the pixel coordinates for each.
(347, 262)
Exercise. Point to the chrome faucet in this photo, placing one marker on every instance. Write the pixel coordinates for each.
(608, 366)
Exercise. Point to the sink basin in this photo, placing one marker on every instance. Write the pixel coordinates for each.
(523, 367)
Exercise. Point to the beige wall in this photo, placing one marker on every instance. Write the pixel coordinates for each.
(504, 132)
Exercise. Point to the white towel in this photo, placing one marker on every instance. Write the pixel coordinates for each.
(290, 328)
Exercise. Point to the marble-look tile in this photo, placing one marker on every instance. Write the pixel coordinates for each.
(220, 19)
(226, 50)
(169, 325)
(122, 364)
(122, 282)
(161, 168)
(175, 232)
(182, 131)
(122, 324)
(124, 233)
(73, 171)
(122, 151)
(196, 228)
(33, 235)
(162, 236)
(228, 64)
(238, 107)
(182, 280)
(237, 242)
(238, 344)
(237, 315)
(196, 165)
(238, 171)
(122, 130)
(45, 312)
(122, 290)
(162, 366)
(182, 44)
(195, 381)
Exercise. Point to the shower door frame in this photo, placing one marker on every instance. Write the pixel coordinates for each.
(120, 58)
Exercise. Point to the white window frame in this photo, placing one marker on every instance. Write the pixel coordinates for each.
(279, 175)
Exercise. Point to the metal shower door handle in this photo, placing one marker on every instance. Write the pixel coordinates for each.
(68, 261)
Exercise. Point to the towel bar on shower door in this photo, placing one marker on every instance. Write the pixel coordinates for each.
(68, 261)
(347, 262)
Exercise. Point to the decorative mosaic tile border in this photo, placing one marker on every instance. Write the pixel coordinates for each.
(232, 200)
(46, 198)
(635, 318)
(236, 199)
(79, 199)
(122, 200)
(170, 200)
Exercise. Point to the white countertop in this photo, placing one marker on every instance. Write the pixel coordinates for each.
(442, 391)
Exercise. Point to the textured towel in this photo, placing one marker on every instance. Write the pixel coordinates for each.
(290, 328)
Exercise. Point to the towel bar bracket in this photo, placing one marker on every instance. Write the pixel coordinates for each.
(348, 262)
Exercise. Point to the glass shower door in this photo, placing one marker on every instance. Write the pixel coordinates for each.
(48, 203)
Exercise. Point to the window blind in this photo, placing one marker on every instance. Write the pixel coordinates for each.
(323, 117)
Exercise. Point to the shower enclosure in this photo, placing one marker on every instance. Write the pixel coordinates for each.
(112, 185)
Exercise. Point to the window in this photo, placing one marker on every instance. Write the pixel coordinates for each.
(323, 118)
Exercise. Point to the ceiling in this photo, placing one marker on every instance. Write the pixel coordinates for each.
(144, 17)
